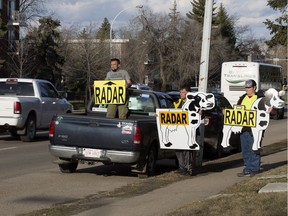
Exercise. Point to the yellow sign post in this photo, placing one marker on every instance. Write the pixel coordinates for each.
(240, 117)
(110, 91)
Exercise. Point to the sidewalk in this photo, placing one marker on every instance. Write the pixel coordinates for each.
(175, 195)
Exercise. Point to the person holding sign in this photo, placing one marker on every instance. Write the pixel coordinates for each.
(251, 158)
(184, 157)
(118, 74)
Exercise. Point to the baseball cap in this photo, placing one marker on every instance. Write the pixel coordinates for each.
(250, 83)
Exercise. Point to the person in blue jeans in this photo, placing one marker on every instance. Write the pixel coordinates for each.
(252, 159)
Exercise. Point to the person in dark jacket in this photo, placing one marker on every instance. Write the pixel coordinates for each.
(251, 158)
(184, 157)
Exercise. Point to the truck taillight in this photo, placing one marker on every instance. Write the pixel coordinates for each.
(17, 107)
(137, 136)
(52, 129)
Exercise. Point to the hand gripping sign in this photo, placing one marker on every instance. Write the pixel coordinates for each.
(177, 127)
(257, 118)
(109, 91)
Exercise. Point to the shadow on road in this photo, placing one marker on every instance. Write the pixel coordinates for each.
(40, 136)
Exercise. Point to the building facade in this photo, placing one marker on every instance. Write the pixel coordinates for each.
(10, 23)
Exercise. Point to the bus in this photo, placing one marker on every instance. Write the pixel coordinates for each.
(234, 75)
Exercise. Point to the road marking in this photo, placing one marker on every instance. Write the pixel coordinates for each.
(3, 149)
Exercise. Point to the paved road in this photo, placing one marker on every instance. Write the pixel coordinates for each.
(30, 181)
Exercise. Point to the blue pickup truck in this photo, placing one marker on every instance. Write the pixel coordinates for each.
(95, 138)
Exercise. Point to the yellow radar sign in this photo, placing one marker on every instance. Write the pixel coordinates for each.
(240, 117)
(110, 91)
(173, 118)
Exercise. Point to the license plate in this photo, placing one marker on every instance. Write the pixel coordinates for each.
(93, 153)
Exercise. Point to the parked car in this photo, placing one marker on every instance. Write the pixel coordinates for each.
(141, 86)
(214, 125)
(28, 105)
(277, 113)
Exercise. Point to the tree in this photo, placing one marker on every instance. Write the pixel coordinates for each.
(49, 58)
(198, 11)
(278, 28)
(31, 10)
(86, 59)
(225, 25)
(104, 31)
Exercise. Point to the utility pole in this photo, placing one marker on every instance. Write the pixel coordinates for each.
(204, 65)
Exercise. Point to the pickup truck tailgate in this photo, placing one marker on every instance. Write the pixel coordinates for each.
(6, 108)
(81, 131)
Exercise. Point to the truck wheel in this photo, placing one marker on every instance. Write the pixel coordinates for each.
(68, 167)
(30, 130)
(151, 161)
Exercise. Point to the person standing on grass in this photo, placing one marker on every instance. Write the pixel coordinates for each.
(251, 158)
(184, 157)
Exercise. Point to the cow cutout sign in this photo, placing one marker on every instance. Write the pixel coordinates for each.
(257, 117)
(177, 127)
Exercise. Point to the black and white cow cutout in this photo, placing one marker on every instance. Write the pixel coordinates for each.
(179, 136)
(262, 106)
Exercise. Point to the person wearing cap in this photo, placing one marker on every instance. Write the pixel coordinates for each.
(251, 158)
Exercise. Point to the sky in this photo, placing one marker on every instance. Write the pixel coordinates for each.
(84, 12)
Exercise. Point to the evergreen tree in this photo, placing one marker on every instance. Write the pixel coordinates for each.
(48, 58)
(278, 28)
(104, 31)
(198, 11)
(225, 25)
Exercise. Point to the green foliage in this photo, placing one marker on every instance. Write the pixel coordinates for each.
(48, 58)
(104, 31)
(225, 25)
(278, 27)
(198, 11)
(277, 4)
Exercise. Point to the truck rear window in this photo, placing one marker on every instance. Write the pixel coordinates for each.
(16, 88)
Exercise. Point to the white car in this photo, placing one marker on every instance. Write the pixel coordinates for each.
(28, 105)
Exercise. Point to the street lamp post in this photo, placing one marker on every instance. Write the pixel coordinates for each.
(111, 27)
